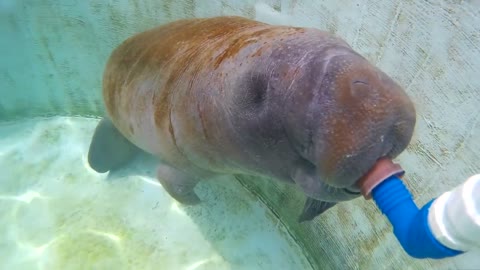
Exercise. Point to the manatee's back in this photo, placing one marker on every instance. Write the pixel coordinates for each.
(159, 84)
(155, 83)
(141, 73)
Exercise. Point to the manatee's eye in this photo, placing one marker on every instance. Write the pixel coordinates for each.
(257, 89)
(254, 91)
(258, 92)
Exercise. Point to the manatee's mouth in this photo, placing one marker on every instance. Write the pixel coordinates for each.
(381, 170)
(355, 189)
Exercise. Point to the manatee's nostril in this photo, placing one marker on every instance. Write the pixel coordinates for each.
(360, 82)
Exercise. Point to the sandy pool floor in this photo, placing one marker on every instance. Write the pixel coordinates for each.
(57, 213)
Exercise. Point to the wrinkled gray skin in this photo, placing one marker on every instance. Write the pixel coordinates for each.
(296, 105)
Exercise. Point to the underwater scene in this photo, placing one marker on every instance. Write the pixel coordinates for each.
(225, 134)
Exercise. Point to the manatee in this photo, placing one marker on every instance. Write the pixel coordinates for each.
(234, 96)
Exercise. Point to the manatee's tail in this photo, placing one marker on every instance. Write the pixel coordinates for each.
(109, 149)
(314, 208)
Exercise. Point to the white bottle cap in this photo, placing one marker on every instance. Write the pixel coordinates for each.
(454, 217)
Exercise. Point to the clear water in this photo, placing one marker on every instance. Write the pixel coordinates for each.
(57, 213)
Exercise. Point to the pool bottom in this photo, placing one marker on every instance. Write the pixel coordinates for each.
(57, 213)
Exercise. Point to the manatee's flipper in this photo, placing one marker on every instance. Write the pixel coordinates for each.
(314, 208)
(180, 185)
(109, 149)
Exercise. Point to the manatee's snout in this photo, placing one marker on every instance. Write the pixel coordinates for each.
(369, 116)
